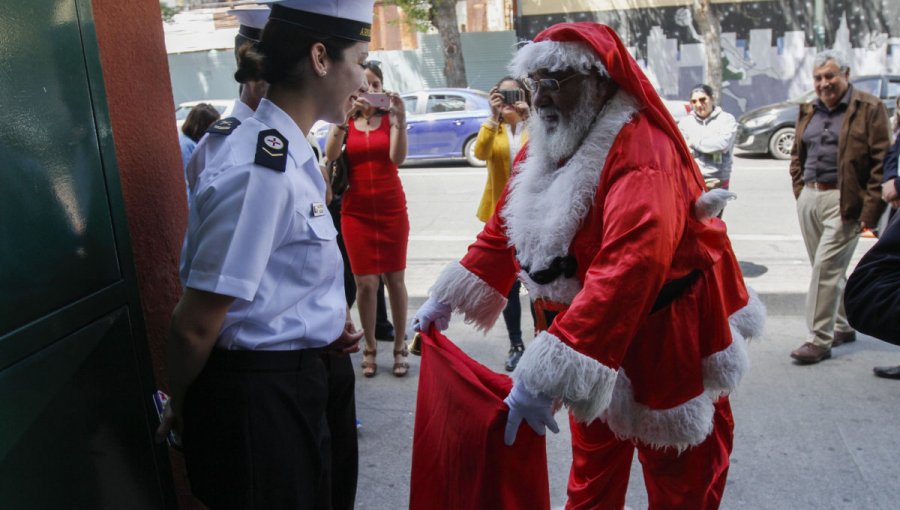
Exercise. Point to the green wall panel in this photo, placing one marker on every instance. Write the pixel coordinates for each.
(56, 231)
(74, 425)
(76, 420)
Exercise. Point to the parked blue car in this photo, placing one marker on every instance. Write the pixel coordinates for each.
(441, 124)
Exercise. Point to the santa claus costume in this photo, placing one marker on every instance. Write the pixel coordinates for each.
(646, 308)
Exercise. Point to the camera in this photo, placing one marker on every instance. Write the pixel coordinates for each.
(378, 100)
(511, 96)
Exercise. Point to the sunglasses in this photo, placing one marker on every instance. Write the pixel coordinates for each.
(547, 84)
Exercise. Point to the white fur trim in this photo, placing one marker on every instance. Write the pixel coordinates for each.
(723, 371)
(680, 427)
(561, 290)
(465, 292)
(750, 320)
(555, 56)
(554, 369)
(688, 424)
(545, 206)
(710, 203)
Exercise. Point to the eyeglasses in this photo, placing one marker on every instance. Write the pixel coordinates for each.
(548, 84)
(699, 100)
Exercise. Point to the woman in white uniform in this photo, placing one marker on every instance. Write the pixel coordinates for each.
(263, 279)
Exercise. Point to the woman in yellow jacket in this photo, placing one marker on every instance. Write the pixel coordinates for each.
(499, 140)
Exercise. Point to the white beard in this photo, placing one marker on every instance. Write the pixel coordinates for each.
(546, 203)
(561, 142)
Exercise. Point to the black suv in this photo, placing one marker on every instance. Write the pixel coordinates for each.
(770, 129)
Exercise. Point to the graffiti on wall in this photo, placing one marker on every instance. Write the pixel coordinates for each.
(767, 45)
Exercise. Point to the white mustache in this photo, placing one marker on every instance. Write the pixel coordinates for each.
(548, 110)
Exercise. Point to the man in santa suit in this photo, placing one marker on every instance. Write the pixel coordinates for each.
(642, 306)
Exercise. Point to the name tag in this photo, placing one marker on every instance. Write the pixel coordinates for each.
(318, 209)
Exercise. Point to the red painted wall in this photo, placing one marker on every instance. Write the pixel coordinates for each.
(141, 110)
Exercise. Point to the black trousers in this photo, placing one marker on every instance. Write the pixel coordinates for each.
(341, 416)
(256, 431)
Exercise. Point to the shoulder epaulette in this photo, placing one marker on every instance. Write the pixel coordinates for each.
(271, 150)
(223, 126)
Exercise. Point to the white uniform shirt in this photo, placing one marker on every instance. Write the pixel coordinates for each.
(266, 238)
(239, 111)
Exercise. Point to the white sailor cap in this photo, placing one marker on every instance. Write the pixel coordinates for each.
(347, 19)
(251, 20)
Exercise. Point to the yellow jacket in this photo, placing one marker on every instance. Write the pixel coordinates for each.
(492, 146)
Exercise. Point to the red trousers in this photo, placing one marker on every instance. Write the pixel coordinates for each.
(693, 480)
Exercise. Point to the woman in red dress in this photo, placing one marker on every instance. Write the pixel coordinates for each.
(374, 220)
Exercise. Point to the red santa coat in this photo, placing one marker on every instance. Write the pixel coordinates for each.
(630, 221)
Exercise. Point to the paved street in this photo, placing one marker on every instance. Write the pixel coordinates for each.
(822, 436)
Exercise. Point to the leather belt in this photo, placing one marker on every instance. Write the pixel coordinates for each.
(820, 186)
(545, 311)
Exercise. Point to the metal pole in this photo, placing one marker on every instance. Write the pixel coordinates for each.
(819, 25)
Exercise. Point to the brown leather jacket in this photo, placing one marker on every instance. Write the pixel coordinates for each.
(862, 145)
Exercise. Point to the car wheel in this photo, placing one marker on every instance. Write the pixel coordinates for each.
(469, 153)
(781, 143)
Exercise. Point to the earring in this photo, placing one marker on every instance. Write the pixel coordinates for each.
(322, 73)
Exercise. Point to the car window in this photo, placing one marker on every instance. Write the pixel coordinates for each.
(893, 89)
(870, 85)
(409, 102)
(182, 112)
(438, 103)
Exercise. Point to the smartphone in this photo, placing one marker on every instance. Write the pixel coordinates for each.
(381, 101)
(159, 402)
(511, 96)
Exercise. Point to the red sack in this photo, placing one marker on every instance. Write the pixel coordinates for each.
(459, 460)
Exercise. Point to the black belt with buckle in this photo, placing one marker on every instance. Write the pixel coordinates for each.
(567, 266)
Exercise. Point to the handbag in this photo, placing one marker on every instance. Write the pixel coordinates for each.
(340, 170)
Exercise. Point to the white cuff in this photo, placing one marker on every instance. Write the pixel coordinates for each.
(556, 370)
(465, 292)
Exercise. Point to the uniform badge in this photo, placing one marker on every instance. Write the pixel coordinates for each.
(271, 150)
(318, 209)
(223, 126)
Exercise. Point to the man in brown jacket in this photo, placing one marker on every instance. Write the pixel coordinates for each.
(836, 165)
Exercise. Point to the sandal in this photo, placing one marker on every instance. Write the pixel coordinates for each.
(401, 367)
(370, 368)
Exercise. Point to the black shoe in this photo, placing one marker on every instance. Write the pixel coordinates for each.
(384, 332)
(887, 372)
(515, 354)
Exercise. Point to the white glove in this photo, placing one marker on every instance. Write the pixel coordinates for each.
(537, 410)
(431, 312)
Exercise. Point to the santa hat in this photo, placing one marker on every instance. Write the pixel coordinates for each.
(585, 45)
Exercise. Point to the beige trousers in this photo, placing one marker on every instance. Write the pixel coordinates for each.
(830, 243)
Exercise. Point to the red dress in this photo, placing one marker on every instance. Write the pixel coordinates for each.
(374, 221)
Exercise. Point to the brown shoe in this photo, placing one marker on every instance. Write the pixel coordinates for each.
(843, 337)
(809, 353)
